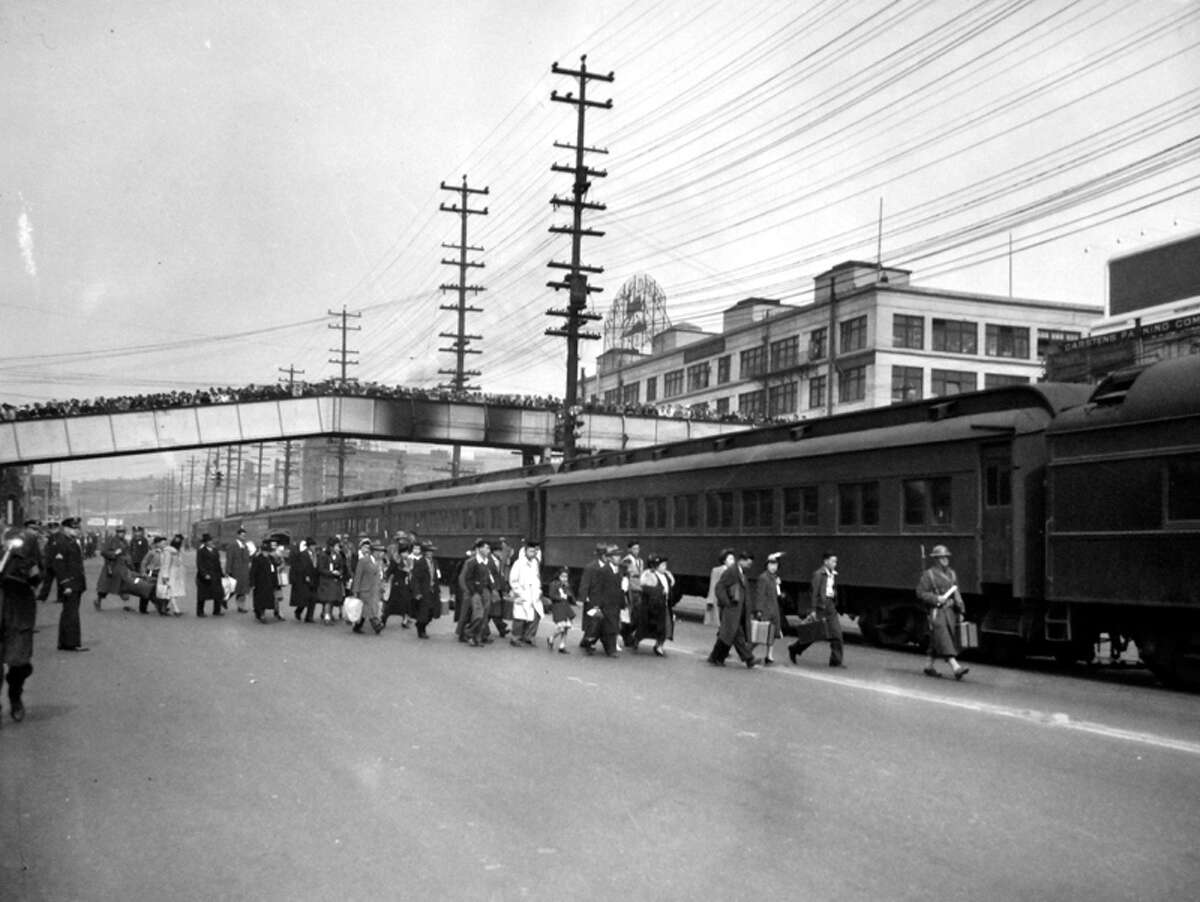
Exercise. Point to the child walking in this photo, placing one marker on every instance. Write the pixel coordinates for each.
(562, 610)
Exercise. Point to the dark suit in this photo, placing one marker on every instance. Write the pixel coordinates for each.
(303, 577)
(732, 591)
(64, 563)
(605, 593)
(824, 605)
(480, 580)
(208, 579)
(426, 592)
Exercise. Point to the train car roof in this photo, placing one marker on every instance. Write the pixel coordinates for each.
(1163, 390)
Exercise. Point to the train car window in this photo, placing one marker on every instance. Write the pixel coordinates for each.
(800, 507)
(1107, 495)
(1183, 489)
(758, 508)
(656, 512)
(497, 518)
(587, 515)
(687, 511)
(719, 507)
(927, 501)
(514, 516)
(627, 513)
(858, 504)
(997, 485)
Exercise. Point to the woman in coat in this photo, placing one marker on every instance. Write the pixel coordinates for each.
(938, 591)
(658, 595)
(302, 567)
(400, 594)
(171, 583)
(765, 605)
(264, 580)
(330, 578)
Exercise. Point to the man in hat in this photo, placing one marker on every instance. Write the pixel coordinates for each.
(208, 576)
(20, 573)
(525, 578)
(115, 571)
(480, 581)
(64, 564)
(824, 605)
(237, 565)
(633, 565)
(368, 584)
(604, 602)
(426, 582)
(585, 584)
(732, 593)
(264, 580)
(139, 547)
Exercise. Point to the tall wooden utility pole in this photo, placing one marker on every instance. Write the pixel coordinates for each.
(575, 281)
(460, 341)
(343, 360)
(291, 373)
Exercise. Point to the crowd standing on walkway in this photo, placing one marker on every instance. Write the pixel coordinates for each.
(622, 600)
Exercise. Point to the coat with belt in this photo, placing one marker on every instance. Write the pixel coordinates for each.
(732, 591)
(943, 615)
(115, 572)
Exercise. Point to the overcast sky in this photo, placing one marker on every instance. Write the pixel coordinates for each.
(190, 186)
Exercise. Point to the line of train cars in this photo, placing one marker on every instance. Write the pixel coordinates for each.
(1070, 512)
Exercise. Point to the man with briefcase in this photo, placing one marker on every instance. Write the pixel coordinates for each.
(822, 623)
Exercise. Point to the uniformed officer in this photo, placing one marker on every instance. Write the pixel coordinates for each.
(20, 573)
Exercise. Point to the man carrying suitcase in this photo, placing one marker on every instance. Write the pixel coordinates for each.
(824, 606)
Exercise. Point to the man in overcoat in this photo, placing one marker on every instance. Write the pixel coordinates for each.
(115, 571)
(426, 589)
(733, 591)
(264, 580)
(480, 581)
(237, 565)
(605, 598)
(302, 565)
(208, 576)
(20, 573)
(824, 605)
(64, 564)
(586, 578)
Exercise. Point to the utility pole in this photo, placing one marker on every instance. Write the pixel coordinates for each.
(191, 488)
(343, 360)
(460, 340)
(575, 281)
(291, 372)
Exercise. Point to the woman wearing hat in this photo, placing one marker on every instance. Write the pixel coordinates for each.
(938, 591)
(330, 578)
(658, 594)
(766, 604)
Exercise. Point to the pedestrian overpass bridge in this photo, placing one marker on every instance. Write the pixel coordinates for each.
(422, 420)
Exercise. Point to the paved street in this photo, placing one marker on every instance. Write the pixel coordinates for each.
(224, 759)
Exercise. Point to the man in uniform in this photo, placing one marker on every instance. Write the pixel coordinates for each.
(64, 564)
(20, 573)
(732, 594)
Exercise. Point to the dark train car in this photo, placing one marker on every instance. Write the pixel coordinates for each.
(879, 488)
(1123, 517)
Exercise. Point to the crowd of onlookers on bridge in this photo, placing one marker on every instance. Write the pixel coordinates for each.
(54, 409)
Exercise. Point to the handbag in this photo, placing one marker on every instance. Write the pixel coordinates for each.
(625, 618)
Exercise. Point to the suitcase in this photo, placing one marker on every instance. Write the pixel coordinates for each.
(812, 630)
(141, 586)
(968, 634)
(760, 632)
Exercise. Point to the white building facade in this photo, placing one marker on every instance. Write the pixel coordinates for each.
(868, 339)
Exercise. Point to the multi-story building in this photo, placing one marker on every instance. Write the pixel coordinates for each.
(869, 338)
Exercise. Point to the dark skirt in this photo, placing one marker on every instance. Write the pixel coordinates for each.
(562, 612)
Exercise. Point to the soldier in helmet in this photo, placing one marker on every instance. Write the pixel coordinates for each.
(20, 573)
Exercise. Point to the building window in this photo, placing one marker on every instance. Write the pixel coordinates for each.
(687, 511)
(927, 502)
(800, 507)
(858, 504)
(587, 515)
(1049, 338)
(816, 392)
(852, 335)
(781, 400)
(753, 362)
(956, 336)
(785, 353)
(722, 405)
(1007, 341)
(514, 516)
(723, 369)
(627, 513)
(999, 380)
(752, 403)
(632, 394)
(1183, 489)
(818, 341)
(697, 376)
(852, 384)
(673, 384)
(908, 331)
(652, 389)
(656, 512)
(951, 382)
(907, 383)
(719, 509)
(612, 396)
(758, 509)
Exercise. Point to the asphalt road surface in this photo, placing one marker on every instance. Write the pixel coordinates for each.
(186, 759)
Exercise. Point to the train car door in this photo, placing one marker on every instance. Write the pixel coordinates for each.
(996, 505)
